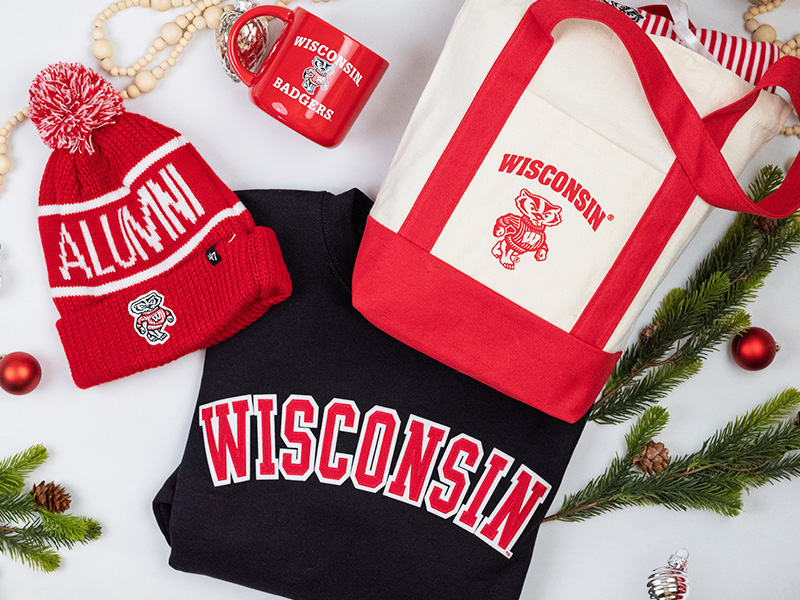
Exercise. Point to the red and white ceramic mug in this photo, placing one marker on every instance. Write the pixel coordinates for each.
(316, 79)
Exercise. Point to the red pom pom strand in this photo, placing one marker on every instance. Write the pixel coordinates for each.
(68, 102)
(20, 373)
(754, 349)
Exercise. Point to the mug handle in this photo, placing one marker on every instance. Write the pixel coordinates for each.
(284, 14)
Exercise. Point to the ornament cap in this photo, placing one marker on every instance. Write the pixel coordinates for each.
(244, 5)
(679, 559)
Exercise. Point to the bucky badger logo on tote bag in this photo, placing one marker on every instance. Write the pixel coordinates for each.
(526, 232)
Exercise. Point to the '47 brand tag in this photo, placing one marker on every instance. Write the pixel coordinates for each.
(212, 255)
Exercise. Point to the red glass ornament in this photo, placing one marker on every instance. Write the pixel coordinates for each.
(754, 349)
(20, 373)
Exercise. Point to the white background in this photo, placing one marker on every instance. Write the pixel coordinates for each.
(112, 446)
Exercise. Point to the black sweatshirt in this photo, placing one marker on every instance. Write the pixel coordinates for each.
(328, 461)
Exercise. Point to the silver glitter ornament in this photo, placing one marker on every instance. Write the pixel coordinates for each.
(253, 40)
(670, 582)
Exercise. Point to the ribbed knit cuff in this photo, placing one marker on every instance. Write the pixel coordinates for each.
(209, 299)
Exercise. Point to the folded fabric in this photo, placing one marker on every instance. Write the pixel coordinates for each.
(328, 461)
(749, 60)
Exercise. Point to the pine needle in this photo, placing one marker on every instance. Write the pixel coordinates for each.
(67, 529)
(15, 469)
(651, 423)
(766, 181)
(28, 552)
(29, 533)
(694, 320)
(18, 508)
(754, 449)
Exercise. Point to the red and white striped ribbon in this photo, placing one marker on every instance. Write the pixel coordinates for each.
(747, 59)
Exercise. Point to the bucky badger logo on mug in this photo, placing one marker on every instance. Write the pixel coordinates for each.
(317, 75)
(526, 232)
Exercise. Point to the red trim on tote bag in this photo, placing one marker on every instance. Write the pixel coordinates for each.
(438, 310)
(487, 114)
(644, 247)
(626, 276)
(432, 307)
(697, 150)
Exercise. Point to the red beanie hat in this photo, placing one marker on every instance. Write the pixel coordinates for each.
(149, 255)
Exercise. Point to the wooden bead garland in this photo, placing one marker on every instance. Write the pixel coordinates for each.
(173, 36)
(5, 161)
(767, 33)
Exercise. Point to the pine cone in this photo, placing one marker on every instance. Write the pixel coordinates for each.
(654, 458)
(648, 332)
(51, 496)
(765, 225)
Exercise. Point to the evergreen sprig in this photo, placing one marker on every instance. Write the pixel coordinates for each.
(14, 469)
(651, 423)
(28, 532)
(694, 320)
(757, 448)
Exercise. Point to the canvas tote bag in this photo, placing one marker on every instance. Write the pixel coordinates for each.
(557, 163)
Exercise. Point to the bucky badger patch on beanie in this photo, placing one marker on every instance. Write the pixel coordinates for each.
(149, 255)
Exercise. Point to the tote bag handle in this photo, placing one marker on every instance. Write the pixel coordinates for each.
(695, 141)
(690, 136)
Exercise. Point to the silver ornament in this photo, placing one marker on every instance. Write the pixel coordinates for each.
(253, 40)
(670, 582)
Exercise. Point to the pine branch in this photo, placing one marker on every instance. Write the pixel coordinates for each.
(68, 529)
(17, 508)
(680, 312)
(651, 423)
(28, 532)
(600, 495)
(629, 400)
(743, 430)
(14, 469)
(694, 320)
(684, 310)
(59, 535)
(689, 324)
(703, 342)
(93, 531)
(731, 254)
(654, 381)
(782, 469)
(28, 552)
(767, 181)
(754, 449)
